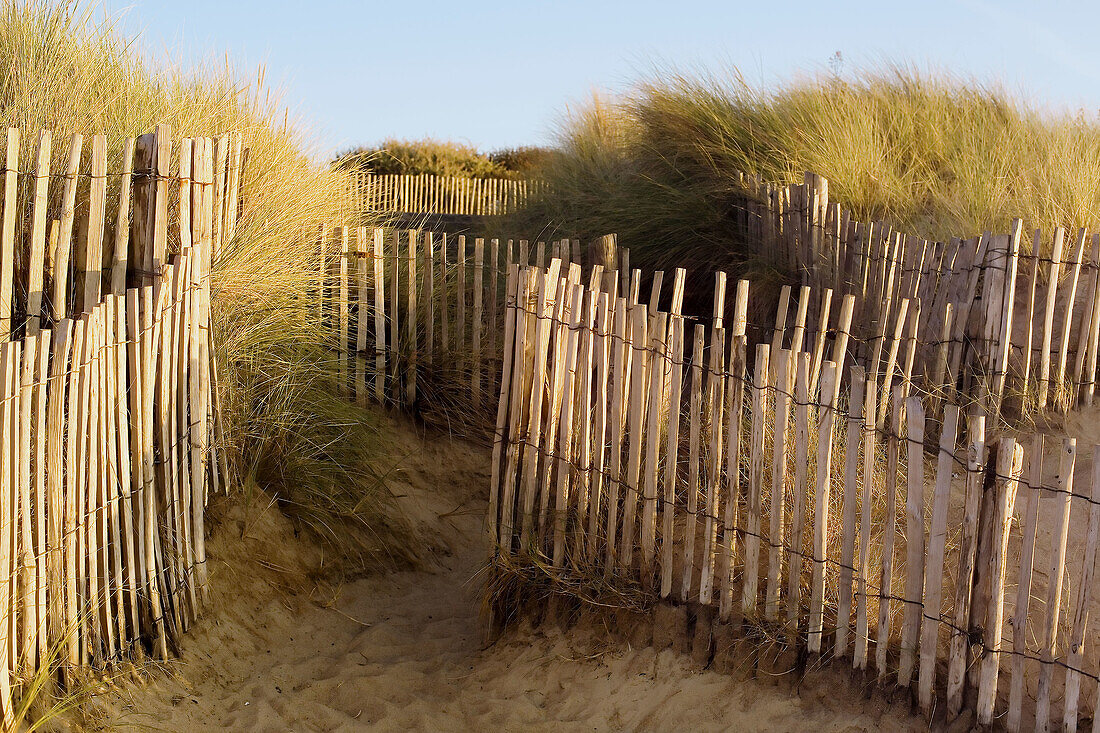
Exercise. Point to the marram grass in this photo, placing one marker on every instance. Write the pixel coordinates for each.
(933, 155)
(71, 72)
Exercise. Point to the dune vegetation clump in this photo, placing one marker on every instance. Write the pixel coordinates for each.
(932, 155)
(70, 69)
(441, 158)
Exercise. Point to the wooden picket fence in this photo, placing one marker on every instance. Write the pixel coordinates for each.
(409, 307)
(431, 194)
(1020, 331)
(109, 403)
(641, 457)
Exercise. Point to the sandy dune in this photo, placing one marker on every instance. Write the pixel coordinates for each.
(405, 651)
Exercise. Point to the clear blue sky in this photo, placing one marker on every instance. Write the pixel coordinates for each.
(500, 74)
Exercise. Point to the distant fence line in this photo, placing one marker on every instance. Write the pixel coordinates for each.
(432, 194)
(110, 407)
(639, 457)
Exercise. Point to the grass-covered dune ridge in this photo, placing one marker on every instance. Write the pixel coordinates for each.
(442, 158)
(68, 68)
(930, 154)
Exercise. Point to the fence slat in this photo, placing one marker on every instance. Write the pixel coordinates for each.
(783, 384)
(801, 486)
(1010, 457)
(1064, 487)
(411, 321)
(597, 479)
(1085, 588)
(715, 399)
(756, 481)
(549, 293)
(859, 659)
(1048, 317)
(379, 317)
(1030, 527)
(658, 365)
(60, 295)
(933, 573)
(512, 314)
(886, 577)
(37, 244)
(362, 318)
(959, 650)
(7, 254)
(564, 455)
(735, 402)
(695, 410)
(848, 530)
(479, 295)
(1061, 396)
(827, 420)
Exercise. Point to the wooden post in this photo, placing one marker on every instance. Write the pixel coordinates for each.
(411, 318)
(1025, 378)
(524, 333)
(886, 577)
(460, 311)
(379, 317)
(714, 403)
(7, 265)
(1088, 380)
(779, 470)
(362, 320)
(9, 652)
(597, 479)
(933, 576)
(780, 326)
(1060, 395)
(822, 333)
(659, 363)
(756, 482)
(1010, 457)
(801, 484)
(547, 299)
(1030, 527)
(1085, 587)
(342, 312)
(695, 410)
(848, 536)
(1048, 318)
(158, 255)
(396, 344)
(859, 659)
(1057, 557)
(120, 255)
(639, 367)
(734, 410)
(494, 291)
(511, 316)
(60, 295)
(444, 298)
(826, 422)
(564, 455)
(583, 398)
(479, 294)
(620, 369)
(37, 245)
(958, 654)
(668, 509)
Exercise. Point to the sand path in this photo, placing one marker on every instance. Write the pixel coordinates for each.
(405, 651)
